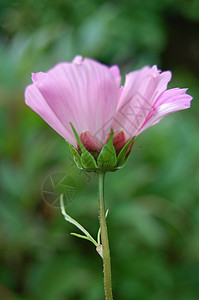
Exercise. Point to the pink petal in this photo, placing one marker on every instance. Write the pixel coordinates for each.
(38, 76)
(170, 101)
(35, 100)
(90, 142)
(82, 92)
(77, 60)
(119, 141)
(115, 71)
(140, 91)
(88, 94)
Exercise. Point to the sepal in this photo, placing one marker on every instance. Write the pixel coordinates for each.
(106, 160)
(124, 154)
(107, 157)
(76, 156)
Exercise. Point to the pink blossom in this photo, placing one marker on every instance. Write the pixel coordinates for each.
(89, 95)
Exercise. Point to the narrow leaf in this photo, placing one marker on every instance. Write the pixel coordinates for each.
(74, 222)
(107, 156)
(83, 237)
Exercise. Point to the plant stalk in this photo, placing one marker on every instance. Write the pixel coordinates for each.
(104, 240)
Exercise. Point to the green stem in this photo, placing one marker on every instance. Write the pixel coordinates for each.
(104, 238)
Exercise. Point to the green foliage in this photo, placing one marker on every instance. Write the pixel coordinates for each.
(153, 201)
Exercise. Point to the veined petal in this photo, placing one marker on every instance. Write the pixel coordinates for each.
(170, 101)
(102, 92)
(90, 142)
(140, 91)
(83, 92)
(36, 101)
(88, 94)
(119, 141)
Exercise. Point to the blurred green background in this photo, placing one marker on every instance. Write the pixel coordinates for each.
(154, 208)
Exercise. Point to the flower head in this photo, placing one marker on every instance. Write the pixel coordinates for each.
(89, 95)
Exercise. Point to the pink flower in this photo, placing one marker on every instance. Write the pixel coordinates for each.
(89, 95)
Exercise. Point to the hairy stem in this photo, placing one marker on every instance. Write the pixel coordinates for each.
(104, 239)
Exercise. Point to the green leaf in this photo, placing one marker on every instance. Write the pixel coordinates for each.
(74, 222)
(77, 157)
(82, 237)
(107, 157)
(122, 156)
(87, 160)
